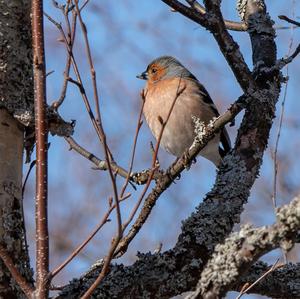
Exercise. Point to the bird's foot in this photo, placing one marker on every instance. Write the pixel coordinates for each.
(187, 161)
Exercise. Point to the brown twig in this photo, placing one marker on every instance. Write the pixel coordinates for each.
(90, 60)
(41, 133)
(79, 83)
(102, 136)
(275, 164)
(138, 127)
(21, 281)
(285, 18)
(103, 221)
(230, 25)
(247, 287)
(100, 164)
(71, 31)
(214, 22)
(274, 195)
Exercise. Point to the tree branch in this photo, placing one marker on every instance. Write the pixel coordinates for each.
(41, 133)
(233, 258)
(21, 281)
(282, 283)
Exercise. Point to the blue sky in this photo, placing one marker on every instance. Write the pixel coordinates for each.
(124, 38)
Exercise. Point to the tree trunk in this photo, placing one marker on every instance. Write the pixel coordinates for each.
(15, 99)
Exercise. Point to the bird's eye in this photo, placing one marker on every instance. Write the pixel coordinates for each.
(154, 71)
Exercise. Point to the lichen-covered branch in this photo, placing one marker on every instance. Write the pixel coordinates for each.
(282, 283)
(16, 96)
(233, 258)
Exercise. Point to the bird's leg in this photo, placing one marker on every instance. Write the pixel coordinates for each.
(157, 164)
(187, 161)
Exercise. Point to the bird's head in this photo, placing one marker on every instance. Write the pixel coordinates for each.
(165, 67)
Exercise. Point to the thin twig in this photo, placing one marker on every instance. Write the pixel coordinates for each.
(99, 125)
(79, 83)
(230, 25)
(71, 39)
(100, 164)
(41, 133)
(21, 281)
(91, 64)
(214, 22)
(107, 152)
(138, 127)
(275, 165)
(285, 18)
(103, 221)
(248, 288)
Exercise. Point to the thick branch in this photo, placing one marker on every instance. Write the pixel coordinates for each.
(282, 283)
(233, 258)
(21, 281)
(230, 25)
(214, 22)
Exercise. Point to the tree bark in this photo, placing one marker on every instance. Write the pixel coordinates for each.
(15, 99)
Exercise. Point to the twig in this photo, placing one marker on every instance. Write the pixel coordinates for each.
(248, 288)
(102, 136)
(100, 164)
(285, 61)
(274, 195)
(87, 240)
(230, 25)
(21, 281)
(79, 82)
(90, 60)
(285, 18)
(214, 22)
(138, 127)
(41, 133)
(71, 39)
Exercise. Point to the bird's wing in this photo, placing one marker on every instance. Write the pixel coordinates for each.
(225, 141)
(224, 138)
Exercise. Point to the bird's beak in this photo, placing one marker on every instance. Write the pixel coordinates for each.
(143, 76)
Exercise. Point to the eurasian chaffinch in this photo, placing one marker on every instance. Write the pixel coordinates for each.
(170, 83)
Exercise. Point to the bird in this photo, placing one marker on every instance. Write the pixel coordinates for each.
(171, 89)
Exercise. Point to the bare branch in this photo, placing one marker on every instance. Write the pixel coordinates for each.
(100, 164)
(285, 18)
(248, 287)
(228, 46)
(284, 61)
(71, 31)
(41, 133)
(230, 25)
(103, 221)
(21, 281)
